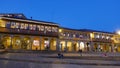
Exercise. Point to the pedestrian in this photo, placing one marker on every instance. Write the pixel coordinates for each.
(104, 54)
(80, 51)
(60, 55)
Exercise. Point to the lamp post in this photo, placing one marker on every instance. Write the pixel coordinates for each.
(118, 32)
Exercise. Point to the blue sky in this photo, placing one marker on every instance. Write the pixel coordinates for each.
(78, 14)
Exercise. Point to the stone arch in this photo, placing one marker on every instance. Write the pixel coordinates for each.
(26, 42)
(6, 41)
(16, 42)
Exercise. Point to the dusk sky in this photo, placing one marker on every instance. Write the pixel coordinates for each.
(103, 15)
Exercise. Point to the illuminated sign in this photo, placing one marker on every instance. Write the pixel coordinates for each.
(34, 27)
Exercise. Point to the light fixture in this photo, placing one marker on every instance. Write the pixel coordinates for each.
(118, 32)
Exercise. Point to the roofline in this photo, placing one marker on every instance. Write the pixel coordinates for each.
(68, 28)
(28, 20)
(87, 30)
(97, 31)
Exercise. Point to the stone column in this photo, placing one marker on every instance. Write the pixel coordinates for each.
(21, 39)
(92, 47)
(1, 37)
(40, 42)
(98, 47)
(11, 41)
(1, 43)
(58, 45)
(112, 47)
(31, 42)
(49, 39)
(78, 45)
(65, 49)
(85, 49)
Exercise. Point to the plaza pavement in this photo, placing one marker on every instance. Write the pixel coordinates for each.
(111, 59)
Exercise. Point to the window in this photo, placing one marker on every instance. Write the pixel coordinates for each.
(26, 26)
(54, 29)
(8, 24)
(68, 35)
(2, 23)
(22, 26)
(12, 24)
(81, 36)
(49, 29)
(71, 35)
(33, 27)
(108, 37)
(42, 28)
(77, 35)
(97, 36)
(46, 28)
(17, 25)
(74, 35)
(38, 27)
(64, 34)
(103, 36)
(30, 26)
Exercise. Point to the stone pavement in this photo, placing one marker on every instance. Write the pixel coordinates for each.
(52, 58)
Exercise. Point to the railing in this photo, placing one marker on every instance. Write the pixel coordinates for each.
(101, 40)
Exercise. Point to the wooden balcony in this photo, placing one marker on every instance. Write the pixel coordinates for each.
(102, 40)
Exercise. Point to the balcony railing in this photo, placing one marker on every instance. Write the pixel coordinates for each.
(102, 40)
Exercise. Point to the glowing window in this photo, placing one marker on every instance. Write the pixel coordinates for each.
(22, 26)
(34, 27)
(74, 35)
(46, 43)
(2, 23)
(49, 29)
(82, 45)
(54, 29)
(26, 26)
(17, 25)
(30, 26)
(42, 28)
(38, 27)
(36, 42)
(12, 24)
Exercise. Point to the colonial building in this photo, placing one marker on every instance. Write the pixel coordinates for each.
(73, 40)
(18, 32)
(100, 41)
(86, 40)
(116, 39)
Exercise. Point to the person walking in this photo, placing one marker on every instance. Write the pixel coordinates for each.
(60, 55)
(80, 51)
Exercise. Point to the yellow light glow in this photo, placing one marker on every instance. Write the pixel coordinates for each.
(118, 32)
(91, 35)
(36, 43)
(81, 45)
(60, 30)
(2, 23)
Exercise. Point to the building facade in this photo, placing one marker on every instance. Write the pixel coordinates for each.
(86, 40)
(22, 33)
(102, 41)
(73, 40)
(18, 32)
(116, 39)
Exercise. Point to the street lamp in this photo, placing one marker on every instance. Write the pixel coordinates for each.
(118, 32)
